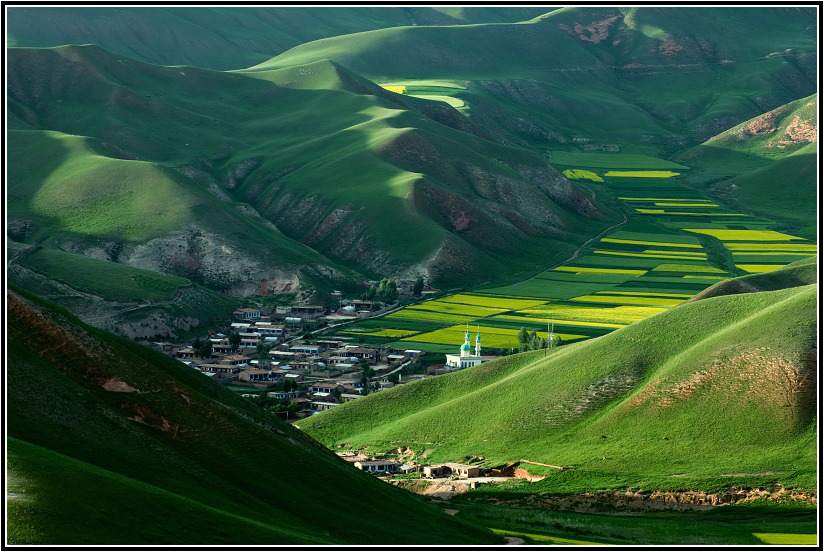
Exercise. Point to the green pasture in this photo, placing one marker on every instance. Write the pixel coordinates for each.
(628, 300)
(456, 308)
(611, 160)
(748, 525)
(509, 303)
(578, 270)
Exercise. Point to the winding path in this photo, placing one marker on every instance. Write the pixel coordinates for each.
(586, 243)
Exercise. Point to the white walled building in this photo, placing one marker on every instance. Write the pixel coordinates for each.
(466, 359)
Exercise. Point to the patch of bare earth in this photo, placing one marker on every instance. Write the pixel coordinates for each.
(784, 383)
(595, 32)
(117, 385)
(670, 47)
(765, 124)
(798, 131)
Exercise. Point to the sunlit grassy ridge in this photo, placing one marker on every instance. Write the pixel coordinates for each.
(729, 376)
(112, 443)
(682, 81)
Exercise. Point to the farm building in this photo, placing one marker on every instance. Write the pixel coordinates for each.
(450, 469)
(246, 314)
(376, 466)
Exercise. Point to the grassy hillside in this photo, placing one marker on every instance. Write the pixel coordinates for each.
(129, 301)
(732, 377)
(291, 169)
(111, 443)
(799, 273)
(766, 165)
(663, 77)
(221, 37)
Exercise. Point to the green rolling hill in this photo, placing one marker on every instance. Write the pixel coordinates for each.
(799, 273)
(110, 443)
(661, 77)
(283, 176)
(766, 165)
(724, 385)
(301, 175)
(224, 37)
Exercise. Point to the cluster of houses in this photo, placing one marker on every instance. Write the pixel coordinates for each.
(271, 356)
(267, 352)
(386, 466)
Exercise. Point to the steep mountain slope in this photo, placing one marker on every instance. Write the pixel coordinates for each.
(766, 165)
(263, 178)
(662, 77)
(725, 385)
(111, 443)
(221, 37)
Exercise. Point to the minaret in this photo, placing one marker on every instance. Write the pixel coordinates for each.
(466, 348)
(478, 343)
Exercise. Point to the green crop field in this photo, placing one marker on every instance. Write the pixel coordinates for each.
(625, 276)
(641, 174)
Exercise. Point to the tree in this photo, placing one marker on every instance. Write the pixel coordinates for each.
(234, 341)
(523, 339)
(417, 288)
(371, 293)
(206, 349)
(262, 350)
(387, 290)
(394, 377)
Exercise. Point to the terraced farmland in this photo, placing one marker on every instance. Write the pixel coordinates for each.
(675, 244)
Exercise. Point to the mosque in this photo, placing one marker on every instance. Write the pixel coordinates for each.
(466, 359)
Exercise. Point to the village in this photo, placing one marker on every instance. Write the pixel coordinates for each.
(282, 361)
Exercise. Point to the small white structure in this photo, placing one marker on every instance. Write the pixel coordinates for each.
(466, 359)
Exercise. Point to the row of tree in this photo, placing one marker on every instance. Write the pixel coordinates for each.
(531, 341)
(387, 290)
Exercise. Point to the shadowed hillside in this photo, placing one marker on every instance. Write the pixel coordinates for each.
(111, 443)
(221, 37)
(720, 386)
(283, 177)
